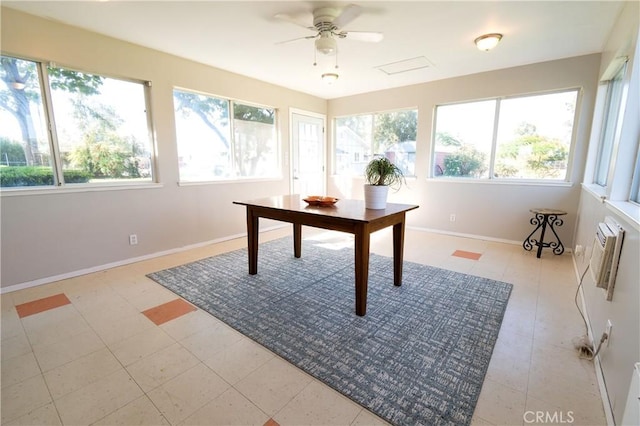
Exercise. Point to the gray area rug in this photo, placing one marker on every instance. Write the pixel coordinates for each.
(420, 354)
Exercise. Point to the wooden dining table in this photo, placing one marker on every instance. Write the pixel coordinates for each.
(346, 216)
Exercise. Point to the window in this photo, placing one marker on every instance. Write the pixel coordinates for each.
(212, 147)
(359, 137)
(100, 133)
(613, 102)
(525, 137)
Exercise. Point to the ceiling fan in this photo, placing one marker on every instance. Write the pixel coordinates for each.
(327, 25)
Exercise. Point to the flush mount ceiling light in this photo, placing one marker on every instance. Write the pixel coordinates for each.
(488, 41)
(329, 77)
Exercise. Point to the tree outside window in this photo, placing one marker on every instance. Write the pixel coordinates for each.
(211, 146)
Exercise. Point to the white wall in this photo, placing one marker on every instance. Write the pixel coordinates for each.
(60, 232)
(618, 357)
(487, 209)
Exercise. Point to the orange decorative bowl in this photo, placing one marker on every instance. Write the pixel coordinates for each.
(320, 201)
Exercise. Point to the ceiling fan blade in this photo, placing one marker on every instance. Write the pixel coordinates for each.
(296, 39)
(367, 36)
(347, 15)
(295, 20)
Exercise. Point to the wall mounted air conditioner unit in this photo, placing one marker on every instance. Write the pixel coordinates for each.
(605, 256)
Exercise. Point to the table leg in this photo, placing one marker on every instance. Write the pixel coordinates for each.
(541, 243)
(362, 241)
(252, 236)
(297, 240)
(398, 252)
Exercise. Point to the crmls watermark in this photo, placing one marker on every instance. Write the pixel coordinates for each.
(548, 417)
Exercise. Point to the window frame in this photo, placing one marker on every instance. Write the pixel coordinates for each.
(231, 109)
(59, 185)
(494, 142)
(619, 79)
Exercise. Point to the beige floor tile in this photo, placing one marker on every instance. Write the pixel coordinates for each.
(67, 350)
(318, 404)
(366, 418)
(35, 293)
(500, 405)
(511, 361)
(550, 331)
(46, 415)
(81, 372)
(157, 368)
(136, 413)
(549, 413)
(230, 408)
(189, 324)
(14, 346)
(100, 398)
(114, 308)
(24, 397)
(11, 324)
(518, 321)
(183, 395)
(6, 302)
(116, 329)
(18, 369)
(55, 325)
(140, 345)
(479, 421)
(238, 360)
(149, 294)
(273, 385)
(206, 343)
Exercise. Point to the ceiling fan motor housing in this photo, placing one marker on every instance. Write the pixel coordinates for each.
(323, 19)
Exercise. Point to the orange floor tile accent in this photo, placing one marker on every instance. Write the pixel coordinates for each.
(41, 305)
(168, 311)
(271, 422)
(467, 254)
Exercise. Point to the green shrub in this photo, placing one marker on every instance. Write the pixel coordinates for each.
(466, 162)
(37, 176)
(11, 152)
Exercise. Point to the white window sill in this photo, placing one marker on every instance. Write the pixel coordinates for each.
(628, 211)
(22, 191)
(625, 209)
(230, 181)
(502, 182)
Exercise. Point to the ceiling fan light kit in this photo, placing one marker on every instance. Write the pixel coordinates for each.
(487, 42)
(329, 77)
(326, 44)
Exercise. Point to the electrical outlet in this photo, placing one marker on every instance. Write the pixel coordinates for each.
(608, 331)
(452, 217)
(133, 239)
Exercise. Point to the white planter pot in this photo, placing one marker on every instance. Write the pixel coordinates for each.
(375, 197)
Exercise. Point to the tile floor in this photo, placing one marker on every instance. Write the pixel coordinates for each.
(115, 348)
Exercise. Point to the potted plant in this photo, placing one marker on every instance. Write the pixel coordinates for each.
(380, 175)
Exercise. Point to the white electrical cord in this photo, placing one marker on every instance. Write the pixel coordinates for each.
(583, 344)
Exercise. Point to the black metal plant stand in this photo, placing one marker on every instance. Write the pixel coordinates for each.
(544, 218)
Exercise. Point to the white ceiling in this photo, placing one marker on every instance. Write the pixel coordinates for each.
(241, 36)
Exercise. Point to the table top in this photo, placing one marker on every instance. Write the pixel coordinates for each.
(549, 211)
(347, 209)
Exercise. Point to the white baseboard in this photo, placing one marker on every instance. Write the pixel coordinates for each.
(474, 236)
(604, 395)
(72, 274)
